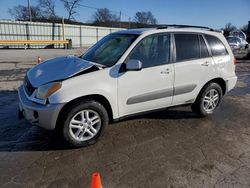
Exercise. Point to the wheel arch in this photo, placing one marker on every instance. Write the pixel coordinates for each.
(220, 81)
(96, 97)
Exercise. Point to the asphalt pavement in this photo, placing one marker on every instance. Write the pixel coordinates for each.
(171, 148)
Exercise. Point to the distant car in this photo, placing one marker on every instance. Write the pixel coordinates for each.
(126, 73)
(234, 42)
(242, 36)
(237, 42)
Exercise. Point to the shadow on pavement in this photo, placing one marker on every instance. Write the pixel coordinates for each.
(173, 113)
(19, 135)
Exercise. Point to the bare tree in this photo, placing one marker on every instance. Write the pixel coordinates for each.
(228, 28)
(21, 12)
(70, 6)
(145, 18)
(48, 8)
(244, 28)
(104, 15)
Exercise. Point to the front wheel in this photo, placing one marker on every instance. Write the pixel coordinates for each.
(208, 100)
(84, 123)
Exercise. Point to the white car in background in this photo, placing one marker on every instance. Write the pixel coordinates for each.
(241, 37)
(237, 43)
(126, 73)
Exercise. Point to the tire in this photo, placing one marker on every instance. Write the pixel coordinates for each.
(203, 104)
(77, 121)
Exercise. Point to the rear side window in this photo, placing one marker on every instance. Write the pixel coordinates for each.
(217, 47)
(203, 48)
(187, 47)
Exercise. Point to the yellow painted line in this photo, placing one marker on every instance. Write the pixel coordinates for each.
(34, 41)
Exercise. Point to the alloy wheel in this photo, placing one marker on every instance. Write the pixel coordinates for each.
(84, 125)
(210, 100)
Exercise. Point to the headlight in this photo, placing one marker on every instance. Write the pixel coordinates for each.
(44, 91)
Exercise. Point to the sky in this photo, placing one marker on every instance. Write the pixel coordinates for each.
(211, 13)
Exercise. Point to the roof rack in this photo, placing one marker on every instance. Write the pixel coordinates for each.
(185, 26)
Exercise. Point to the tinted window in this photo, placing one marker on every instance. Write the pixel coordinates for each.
(187, 47)
(203, 48)
(217, 47)
(152, 50)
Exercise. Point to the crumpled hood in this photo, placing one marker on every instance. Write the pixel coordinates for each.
(57, 69)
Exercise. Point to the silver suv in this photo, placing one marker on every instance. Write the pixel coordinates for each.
(126, 73)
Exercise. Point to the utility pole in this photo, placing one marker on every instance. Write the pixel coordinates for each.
(29, 11)
(248, 32)
(120, 18)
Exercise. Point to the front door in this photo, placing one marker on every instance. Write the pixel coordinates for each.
(152, 86)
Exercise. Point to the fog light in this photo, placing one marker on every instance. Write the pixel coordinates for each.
(35, 114)
(20, 115)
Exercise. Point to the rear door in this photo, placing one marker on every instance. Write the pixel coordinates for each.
(193, 66)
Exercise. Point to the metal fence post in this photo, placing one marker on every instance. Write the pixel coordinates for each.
(80, 36)
(27, 34)
(59, 34)
(53, 34)
(97, 34)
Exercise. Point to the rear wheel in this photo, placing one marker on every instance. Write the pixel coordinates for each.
(84, 124)
(208, 100)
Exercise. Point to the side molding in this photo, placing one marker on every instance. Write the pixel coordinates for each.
(161, 94)
(151, 96)
(184, 89)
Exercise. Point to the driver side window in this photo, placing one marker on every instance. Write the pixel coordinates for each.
(153, 50)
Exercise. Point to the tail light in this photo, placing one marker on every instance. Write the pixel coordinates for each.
(234, 60)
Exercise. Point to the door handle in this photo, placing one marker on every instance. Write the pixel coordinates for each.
(166, 71)
(206, 63)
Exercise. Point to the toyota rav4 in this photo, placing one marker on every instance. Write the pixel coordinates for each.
(127, 73)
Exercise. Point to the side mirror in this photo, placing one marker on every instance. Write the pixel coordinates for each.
(133, 65)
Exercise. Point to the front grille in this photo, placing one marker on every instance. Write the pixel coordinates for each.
(28, 87)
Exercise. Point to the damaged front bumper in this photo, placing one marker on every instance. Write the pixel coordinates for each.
(44, 116)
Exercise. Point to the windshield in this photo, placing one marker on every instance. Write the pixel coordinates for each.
(108, 50)
(233, 40)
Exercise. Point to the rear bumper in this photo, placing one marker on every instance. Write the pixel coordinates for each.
(44, 116)
(230, 83)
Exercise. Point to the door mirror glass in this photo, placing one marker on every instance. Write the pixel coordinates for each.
(134, 65)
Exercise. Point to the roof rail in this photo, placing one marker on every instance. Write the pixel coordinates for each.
(185, 26)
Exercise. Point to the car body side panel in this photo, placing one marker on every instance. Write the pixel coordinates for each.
(188, 73)
(145, 90)
(102, 82)
(105, 82)
(227, 67)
